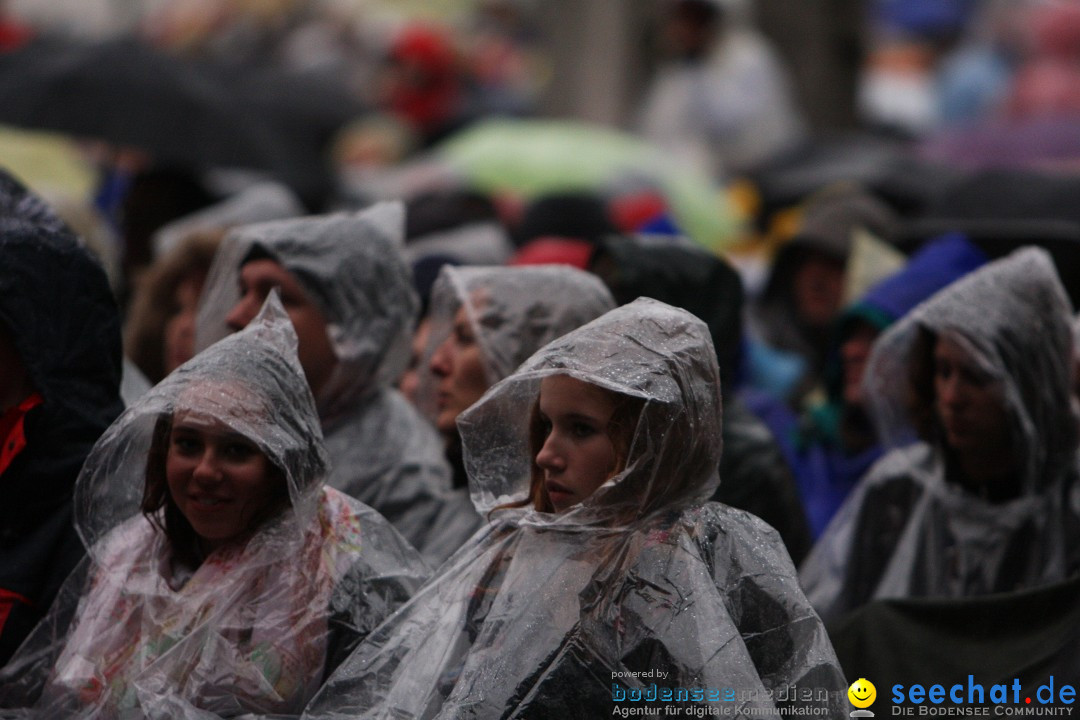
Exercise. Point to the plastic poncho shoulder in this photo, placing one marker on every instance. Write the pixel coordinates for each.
(640, 588)
(254, 627)
(383, 452)
(908, 528)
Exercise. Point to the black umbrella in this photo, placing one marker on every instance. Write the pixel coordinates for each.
(129, 94)
(1002, 210)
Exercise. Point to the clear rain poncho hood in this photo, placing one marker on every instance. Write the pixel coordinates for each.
(254, 626)
(909, 528)
(513, 312)
(350, 266)
(549, 615)
(383, 452)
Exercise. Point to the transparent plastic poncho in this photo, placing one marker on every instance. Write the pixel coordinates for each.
(383, 452)
(257, 624)
(261, 202)
(643, 586)
(909, 528)
(513, 312)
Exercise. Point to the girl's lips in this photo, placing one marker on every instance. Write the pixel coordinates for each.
(557, 493)
(208, 501)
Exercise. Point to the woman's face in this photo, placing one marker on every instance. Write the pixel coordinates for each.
(409, 382)
(459, 366)
(854, 353)
(969, 403)
(219, 480)
(578, 455)
(180, 327)
(257, 278)
(818, 289)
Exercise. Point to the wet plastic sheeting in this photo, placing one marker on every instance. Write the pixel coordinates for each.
(910, 528)
(143, 630)
(543, 614)
(382, 451)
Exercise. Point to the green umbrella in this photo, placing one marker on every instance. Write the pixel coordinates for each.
(533, 157)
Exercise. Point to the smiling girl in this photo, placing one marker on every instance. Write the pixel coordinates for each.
(602, 558)
(242, 581)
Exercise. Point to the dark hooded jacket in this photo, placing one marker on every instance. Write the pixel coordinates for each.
(754, 474)
(56, 303)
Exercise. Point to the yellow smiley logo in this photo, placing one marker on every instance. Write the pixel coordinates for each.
(862, 693)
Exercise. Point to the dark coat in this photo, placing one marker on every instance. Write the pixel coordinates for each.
(56, 302)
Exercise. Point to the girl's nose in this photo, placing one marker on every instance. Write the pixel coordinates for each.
(549, 458)
(242, 313)
(950, 391)
(440, 362)
(207, 469)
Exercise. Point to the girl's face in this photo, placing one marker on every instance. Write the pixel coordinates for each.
(577, 455)
(459, 366)
(180, 328)
(219, 480)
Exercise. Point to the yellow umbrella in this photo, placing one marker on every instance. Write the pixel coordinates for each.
(50, 164)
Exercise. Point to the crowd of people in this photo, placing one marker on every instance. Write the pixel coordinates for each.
(429, 445)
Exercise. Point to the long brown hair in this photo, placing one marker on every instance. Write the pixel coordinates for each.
(162, 512)
(620, 429)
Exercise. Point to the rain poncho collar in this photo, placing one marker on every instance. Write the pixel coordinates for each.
(909, 528)
(351, 266)
(548, 615)
(253, 625)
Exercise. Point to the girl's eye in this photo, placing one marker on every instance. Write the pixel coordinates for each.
(186, 445)
(462, 335)
(975, 377)
(582, 430)
(239, 451)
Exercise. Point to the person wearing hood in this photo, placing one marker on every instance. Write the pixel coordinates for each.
(222, 576)
(349, 295)
(159, 331)
(60, 370)
(985, 500)
(835, 443)
(602, 560)
(792, 318)
(484, 322)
